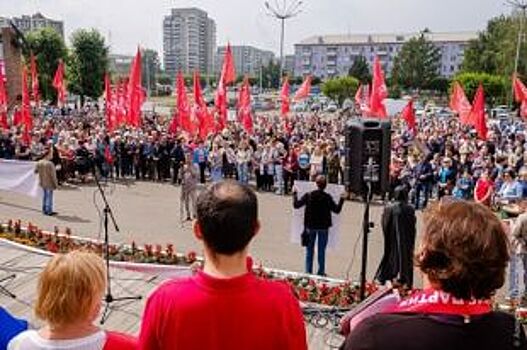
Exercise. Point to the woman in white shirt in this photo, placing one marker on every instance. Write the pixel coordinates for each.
(69, 295)
(316, 162)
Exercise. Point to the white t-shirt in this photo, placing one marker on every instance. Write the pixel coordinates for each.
(31, 340)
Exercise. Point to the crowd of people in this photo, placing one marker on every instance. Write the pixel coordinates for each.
(275, 155)
(444, 158)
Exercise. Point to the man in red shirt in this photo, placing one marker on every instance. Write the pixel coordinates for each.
(225, 306)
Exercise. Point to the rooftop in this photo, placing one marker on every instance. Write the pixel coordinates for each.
(346, 39)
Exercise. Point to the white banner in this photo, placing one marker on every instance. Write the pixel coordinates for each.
(20, 177)
(297, 223)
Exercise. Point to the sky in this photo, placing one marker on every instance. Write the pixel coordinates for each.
(127, 23)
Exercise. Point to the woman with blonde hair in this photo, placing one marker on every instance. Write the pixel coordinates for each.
(69, 295)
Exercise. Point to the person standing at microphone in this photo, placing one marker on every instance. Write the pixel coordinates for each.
(317, 221)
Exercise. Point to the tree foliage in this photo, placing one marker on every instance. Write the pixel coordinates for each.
(151, 68)
(495, 86)
(339, 89)
(494, 50)
(48, 47)
(88, 63)
(417, 64)
(271, 75)
(360, 70)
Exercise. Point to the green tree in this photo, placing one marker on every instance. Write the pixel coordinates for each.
(495, 48)
(48, 47)
(151, 67)
(360, 70)
(495, 86)
(89, 62)
(271, 75)
(417, 64)
(339, 89)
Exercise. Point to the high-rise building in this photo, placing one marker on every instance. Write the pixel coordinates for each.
(28, 23)
(289, 66)
(247, 59)
(333, 55)
(189, 41)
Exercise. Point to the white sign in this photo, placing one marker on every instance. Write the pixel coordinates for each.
(20, 177)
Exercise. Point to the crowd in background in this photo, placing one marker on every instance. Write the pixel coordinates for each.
(444, 158)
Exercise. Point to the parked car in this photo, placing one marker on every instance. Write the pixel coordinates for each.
(315, 107)
(300, 107)
(332, 107)
(500, 112)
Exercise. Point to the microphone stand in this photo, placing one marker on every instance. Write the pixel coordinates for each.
(109, 298)
(367, 225)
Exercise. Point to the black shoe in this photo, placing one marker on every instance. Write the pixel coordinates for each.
(188, 218)
(53, 213)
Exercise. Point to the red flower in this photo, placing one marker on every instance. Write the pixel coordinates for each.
(52, 247)
(159, 250)
(170, 250)
(303, 295)
(191, 257)
(148, 249)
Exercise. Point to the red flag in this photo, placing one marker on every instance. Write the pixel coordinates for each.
(205, 122)
(220, 102)
(108, 102)
(378, 91)
(459, 104)
(59, 84)
(358, 96)
(27, 119)
(408, 115)
(304, 90)
(135, 93)
(228, 72)
(284, 97)
(183, 107)
(3, 103)
(26, 138)
(244, 105)
(520, 95)
(478, 115)
(34, 81)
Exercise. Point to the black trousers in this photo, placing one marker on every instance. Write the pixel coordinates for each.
(202, 167)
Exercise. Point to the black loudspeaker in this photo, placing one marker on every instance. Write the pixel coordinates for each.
(368, 148)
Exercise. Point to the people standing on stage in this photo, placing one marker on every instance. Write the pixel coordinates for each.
(398, 228)
(317, 221)
(189, 188)
(47, 175)
(225, 305)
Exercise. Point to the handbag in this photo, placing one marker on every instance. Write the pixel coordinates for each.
(305, 238)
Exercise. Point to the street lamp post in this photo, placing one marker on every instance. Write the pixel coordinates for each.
(283, 10)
